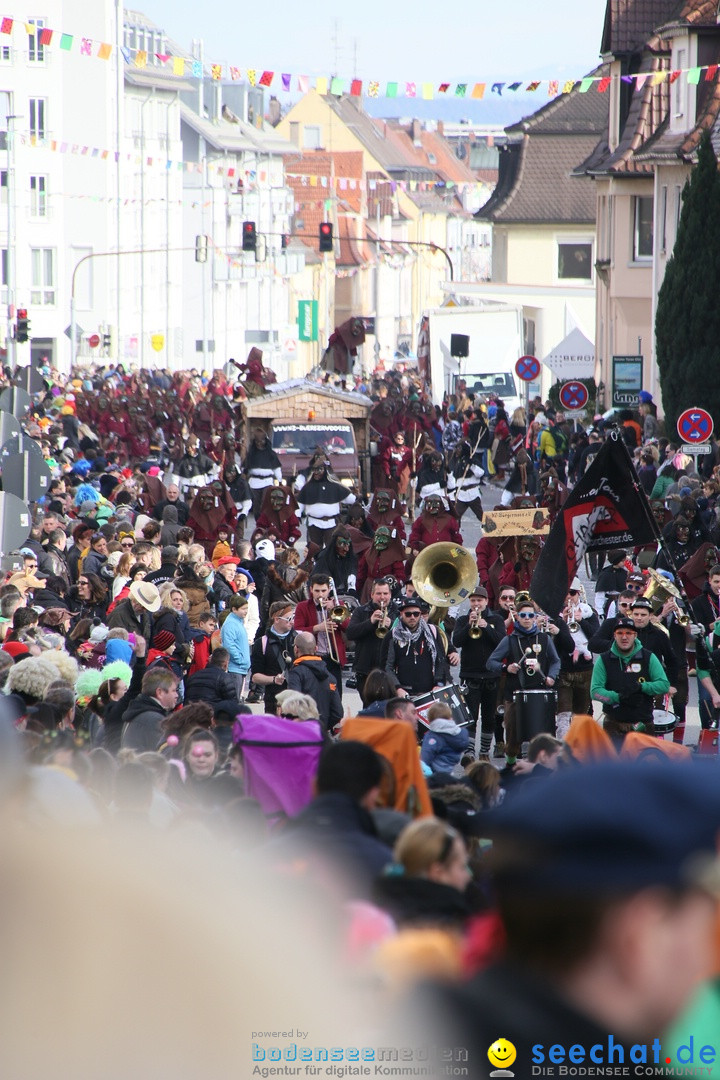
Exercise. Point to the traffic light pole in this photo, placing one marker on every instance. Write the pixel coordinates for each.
(103, 255)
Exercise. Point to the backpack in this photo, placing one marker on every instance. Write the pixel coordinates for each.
(396, 741)
(561, 441)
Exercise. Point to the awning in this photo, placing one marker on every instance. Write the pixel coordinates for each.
(573, 358)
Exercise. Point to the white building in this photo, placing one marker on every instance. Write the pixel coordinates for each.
(102, 155)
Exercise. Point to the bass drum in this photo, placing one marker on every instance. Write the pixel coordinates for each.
(534, 713)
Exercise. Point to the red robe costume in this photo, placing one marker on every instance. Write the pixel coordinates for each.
(208, 511)
(434, 529)
(390, 518)
(376, 564)
(284, 522)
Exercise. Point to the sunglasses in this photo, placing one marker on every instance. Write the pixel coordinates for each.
(526, 614)
(83, 581)
(509, 596)
(411, 614)
(127, 543)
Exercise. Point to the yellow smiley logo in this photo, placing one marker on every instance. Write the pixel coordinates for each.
(502, 1054)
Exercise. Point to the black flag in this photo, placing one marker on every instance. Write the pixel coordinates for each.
(607, 508)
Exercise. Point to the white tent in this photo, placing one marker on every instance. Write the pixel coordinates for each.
(573, 358)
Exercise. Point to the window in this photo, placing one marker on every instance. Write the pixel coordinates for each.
(36, 51)
(38, 117)
(5, 54)
(575, 261)
(38, 196)
(679, 86)
(311, 137)
(663, 219)
(43, 276)
(3, 187)
(678, 206)
(4, 275)
(643, 231)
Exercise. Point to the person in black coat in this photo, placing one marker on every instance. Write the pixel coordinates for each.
(214, 686)
(272, 654)
(481, 685)
(339, 561)
(173, 499)
(309, 674)
(337, 826)
(610, 581)
(363, 630)
(601, 641)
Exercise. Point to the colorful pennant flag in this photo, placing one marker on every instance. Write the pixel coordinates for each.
(392, 90)
(356, 88)
(105, 51)
(6, 26)
(266, 78)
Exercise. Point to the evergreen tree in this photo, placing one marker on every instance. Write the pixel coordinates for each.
(687, 321)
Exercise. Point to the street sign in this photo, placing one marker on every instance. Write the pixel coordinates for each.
(9, 428)
(94, 341)
(574, 395)
(26, 475)
(18, 443)
(574, 414)
(29, 379)
(693, 426)
(693, 448)
(15, 522)
(528, 368)
(78, 333)
(15, 401)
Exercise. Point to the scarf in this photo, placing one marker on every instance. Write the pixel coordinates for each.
(405, 638)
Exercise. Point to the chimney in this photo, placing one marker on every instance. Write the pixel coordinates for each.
(441, 129)
(416, 132)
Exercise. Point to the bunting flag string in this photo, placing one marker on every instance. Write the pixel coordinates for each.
(288, 82)
(250, 179)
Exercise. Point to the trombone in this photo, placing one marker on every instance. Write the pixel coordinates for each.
(340, 612)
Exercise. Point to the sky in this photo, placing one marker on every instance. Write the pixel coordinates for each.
(426, 41)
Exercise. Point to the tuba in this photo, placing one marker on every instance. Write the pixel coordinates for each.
(444, 575)
(659, 590)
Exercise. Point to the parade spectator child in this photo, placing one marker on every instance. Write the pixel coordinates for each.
(445, 742)
(222, 548)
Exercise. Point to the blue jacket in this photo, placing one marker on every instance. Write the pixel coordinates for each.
(234, 638)
(443, 745)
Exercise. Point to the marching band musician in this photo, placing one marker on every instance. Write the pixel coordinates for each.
(414, 652)
(313, 615)
(476, 635)
(579, 624)
(625, 680)
(655, 638)
(368, 627)
(529, 659)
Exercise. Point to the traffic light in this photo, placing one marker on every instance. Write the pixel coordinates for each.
(22, 326)
(249, 236)
(284, 241)
(326, 236)
(106, 342)
(201, 249)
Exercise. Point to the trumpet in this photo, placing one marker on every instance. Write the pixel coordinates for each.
(474, 631)
(380, 630)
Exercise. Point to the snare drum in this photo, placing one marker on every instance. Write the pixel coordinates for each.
(450, 695)
(664, 721)
(534, 713)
